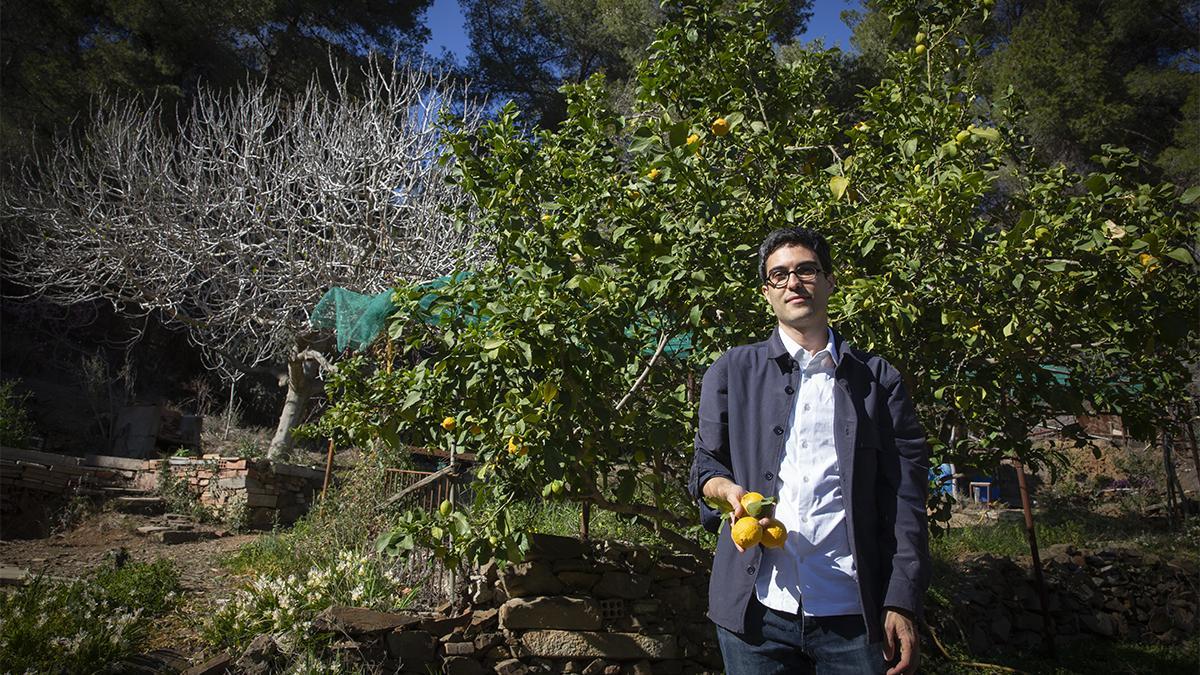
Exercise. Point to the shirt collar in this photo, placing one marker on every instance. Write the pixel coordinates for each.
(801, 354)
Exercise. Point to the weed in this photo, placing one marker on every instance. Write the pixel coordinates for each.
(15, 427)
(348, 518)
(285, 605)
(84, 625)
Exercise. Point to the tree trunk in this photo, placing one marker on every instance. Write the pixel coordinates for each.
(302, 384)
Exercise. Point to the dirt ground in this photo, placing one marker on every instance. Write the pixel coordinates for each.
(90, 545)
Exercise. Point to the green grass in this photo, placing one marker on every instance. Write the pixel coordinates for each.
(1065, 525)
(1091, 656)
(84, 625)
(349, 518)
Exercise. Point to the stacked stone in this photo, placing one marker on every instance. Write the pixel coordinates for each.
(274, 493)
(35, 484)
(1112, 593)
(601, 608)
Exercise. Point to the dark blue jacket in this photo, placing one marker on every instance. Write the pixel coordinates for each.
(745, 405)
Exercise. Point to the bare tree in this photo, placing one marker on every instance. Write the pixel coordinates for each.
(234, 223)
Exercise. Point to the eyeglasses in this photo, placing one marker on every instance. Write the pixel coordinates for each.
(779, 277)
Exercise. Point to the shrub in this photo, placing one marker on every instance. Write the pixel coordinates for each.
(285, 605)
(15, 427)
(346, 519)
(84, 625)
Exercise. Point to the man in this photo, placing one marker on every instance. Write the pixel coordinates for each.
(831, 432)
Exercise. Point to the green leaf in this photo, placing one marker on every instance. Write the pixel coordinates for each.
(986, 133)
(1190, 195)
(838, 185)
(734, 119)
(718, 505)
(1096, 184)
(1180, 254)
(1056, 266)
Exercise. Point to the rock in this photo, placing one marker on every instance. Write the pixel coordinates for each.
(562, 644)
(510, 667)
(1099, 623)
(551, 612)
(459, 648)
(217, 665)
(641, 668)
(151, 529)
(1160, 620)
(484, 619)
(578, 581)
(1001, 628)
(13, 576)
(176, 536)
(485, 641)
(440, 626)
(622, 585)
(147, 506)
(461, 665)
(260, 658)
(359, 621)
(414, 648)
(595, 667)
(1030, 621)
(530, 578)
(554, 547)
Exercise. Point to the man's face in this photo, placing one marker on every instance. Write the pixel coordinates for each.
(801, 304)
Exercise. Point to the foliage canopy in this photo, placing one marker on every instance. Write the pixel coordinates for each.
(1009, 293)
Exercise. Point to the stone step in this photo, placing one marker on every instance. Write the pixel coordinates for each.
(13, 576)
(148, 506)
(174, 536)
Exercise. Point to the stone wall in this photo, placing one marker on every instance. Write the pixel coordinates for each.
(34, 486)
(1111, 593)
(595, 608)
(606, 608)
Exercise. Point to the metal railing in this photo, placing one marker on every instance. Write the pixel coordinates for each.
(421, 570)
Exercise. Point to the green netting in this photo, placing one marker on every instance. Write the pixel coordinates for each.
(355, 318)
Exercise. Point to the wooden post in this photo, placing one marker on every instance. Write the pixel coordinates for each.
(1047, 624)
(328, 470)
(585, 517)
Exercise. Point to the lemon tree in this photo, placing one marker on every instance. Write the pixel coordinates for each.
(1008, 292)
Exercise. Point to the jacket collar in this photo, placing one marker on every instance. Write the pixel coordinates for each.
(840, 349)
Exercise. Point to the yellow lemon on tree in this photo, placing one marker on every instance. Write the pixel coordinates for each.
(448, 424)
(693, 139)
(546, 217)
(654, 174)
(919, 49)
(962, 136)
(746, 532)
(720, 126)
(515, 448)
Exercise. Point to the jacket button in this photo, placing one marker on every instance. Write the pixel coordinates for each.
(768, 475)
(750, 569)
(789, 390)
(778, 431)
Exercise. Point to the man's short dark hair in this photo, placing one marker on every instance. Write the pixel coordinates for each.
(794, 236)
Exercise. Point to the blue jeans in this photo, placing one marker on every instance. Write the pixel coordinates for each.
(778, 642)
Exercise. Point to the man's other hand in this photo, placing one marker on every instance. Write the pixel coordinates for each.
(900, 641)
(720, 487)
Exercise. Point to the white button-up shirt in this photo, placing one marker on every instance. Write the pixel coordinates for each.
(815, 563)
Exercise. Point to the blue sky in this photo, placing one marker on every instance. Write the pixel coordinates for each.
(445, 22)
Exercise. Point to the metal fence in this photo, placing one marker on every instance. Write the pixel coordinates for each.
(421, 570)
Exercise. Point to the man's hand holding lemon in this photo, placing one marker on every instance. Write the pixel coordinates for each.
(749, 514)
